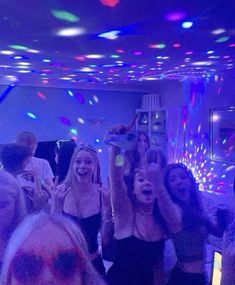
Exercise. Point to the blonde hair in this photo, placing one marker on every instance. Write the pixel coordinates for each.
(32, 223)
(11, 186)
(71, 179)
(26, 138)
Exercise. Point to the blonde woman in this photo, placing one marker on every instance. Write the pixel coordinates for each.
(48, 249)
(85, 200)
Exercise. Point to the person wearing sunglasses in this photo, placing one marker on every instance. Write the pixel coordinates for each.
(84, 199)
(12, 208)
(48, 249)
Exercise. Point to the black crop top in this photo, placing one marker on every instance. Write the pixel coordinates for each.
(132, 250)
(189, 244)
(90, 227)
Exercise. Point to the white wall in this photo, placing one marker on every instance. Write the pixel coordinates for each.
(113, 107)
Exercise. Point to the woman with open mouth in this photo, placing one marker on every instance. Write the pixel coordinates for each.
(83, 199)
(195, 226)
(142, 213)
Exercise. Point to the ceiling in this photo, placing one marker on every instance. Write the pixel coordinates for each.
(98, 43)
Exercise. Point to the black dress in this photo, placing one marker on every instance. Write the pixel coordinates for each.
(134, 261)
(90, 227)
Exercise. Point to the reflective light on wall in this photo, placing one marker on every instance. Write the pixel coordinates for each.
(187, 25)
(70, 32)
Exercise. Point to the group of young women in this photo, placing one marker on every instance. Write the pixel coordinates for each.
(145, 203)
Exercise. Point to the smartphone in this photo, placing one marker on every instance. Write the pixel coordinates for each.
(126, 141)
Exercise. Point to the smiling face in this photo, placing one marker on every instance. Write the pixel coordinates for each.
(40, 261)
(180, 184)
(84, 166)
(143, 189)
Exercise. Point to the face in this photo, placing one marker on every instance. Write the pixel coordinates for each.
(47, 257)
(180, 184)
(143, 189)
(7, 207)
(24, 164)
(142, 144)
(84, 166)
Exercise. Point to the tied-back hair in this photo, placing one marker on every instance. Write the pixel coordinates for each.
(193, 214)
(32, 223)
(71, 179)
(156, 211)
(10, 185)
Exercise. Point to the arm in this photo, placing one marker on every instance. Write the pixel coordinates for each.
(107, 226)
(122, 208)
(169, 210)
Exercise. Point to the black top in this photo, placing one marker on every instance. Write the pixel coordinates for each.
(134, 261)
(90, 227)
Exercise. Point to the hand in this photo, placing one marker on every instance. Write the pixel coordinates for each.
(58, 196)
(123, 129)
(26, 175)
(39, 199)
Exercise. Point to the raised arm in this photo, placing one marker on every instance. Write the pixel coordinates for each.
(121, 203)
(169, 210)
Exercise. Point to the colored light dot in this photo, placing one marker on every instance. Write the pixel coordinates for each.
(114, 56)
(109, 3)
(97, 140)
(111, 35)
(64, 15)
(210, 52)
(159, 46)
(73, 131)
(65, 121)
(176, 45)
(18, 57)
(7, 52)
(70, 93)
(222, 39)
(187, 25)
(41, 95)
(70, 32)
(120, 50)
(81, 121)
(218, 31)
(137, 53)
(46, 60)
(175, 16)
(96, 99)
(31, 115)
(19, 47)
(33, 50)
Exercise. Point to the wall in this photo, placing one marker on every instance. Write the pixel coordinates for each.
(50, 104)
(189, 104)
